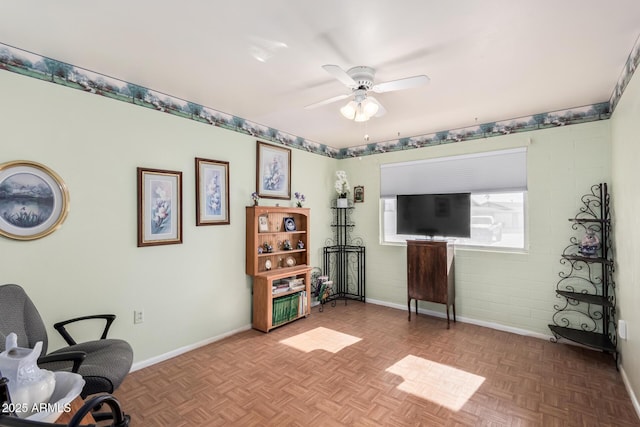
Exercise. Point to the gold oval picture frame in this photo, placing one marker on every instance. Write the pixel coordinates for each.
(34, 200)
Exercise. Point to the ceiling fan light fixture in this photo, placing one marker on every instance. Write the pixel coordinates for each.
(361, 115)
(349, 110)
(359, 111)
(369, 107)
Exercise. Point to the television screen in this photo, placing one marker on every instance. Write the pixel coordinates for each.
(446, 215)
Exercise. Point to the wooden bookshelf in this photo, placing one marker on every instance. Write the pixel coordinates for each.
(263, 296)
(272, 226)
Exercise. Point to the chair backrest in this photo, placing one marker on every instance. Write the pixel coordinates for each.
(19, 315)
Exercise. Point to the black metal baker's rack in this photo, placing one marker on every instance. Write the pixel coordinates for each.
(586, 313)
(344, 257)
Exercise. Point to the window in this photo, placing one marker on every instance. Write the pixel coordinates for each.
(496, 180)
(497, 221)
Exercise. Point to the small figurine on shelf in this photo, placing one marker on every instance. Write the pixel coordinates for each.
(255, 198)
(300, 244)
(286, 245)
(260, 249)
(267, 247)
(299, 199)
(590, 244)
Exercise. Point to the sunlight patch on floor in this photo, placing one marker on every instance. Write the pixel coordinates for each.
(440, 384)
(321, 339)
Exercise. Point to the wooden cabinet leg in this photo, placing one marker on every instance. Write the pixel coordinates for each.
(447, 308)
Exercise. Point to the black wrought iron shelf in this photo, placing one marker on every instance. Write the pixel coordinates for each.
(344, 258)
(596, 220)
(592, 339)
(589, 259)
(588, 317)
(588, 298)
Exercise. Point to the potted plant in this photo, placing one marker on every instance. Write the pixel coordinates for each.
(342, 188)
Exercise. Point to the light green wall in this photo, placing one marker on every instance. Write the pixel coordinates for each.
(625, 126)
(509, 290)
(198, 290)
(189, 292)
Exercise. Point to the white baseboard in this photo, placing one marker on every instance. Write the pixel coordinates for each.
(177, 352)
(627, 384)
(491, 325)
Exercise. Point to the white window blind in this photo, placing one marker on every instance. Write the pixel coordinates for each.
(495, 171)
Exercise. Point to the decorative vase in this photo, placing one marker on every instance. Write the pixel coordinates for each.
(28, 384)
(590, 244)
(342, 202)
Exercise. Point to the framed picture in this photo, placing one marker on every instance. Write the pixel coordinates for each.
(273, 171)
(34, 201)
(159, 207)
(358, 194)
(212, 192)
(263, 224)
(289, 224)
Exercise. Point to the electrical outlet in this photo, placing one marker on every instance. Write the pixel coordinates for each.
(622, 329)
(138, 316)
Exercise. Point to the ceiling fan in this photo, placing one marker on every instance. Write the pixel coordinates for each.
(360, 80)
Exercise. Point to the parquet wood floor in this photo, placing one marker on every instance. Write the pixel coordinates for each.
(274, 379)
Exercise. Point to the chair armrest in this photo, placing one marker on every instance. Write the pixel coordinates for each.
(77, 357)
(60, 326)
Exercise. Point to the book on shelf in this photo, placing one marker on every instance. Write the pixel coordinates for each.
(279, 287)
(294, 281)
(286, 308)
(302, 304)
(285, 285)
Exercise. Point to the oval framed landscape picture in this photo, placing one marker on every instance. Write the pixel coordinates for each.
(34, 201)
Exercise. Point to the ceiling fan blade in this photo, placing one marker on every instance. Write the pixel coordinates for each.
(401, 84)
(381, 110)
(326, 101)
(341, 75)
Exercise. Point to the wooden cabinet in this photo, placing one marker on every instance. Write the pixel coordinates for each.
(277, 252)
(270, 309)
(430, 274)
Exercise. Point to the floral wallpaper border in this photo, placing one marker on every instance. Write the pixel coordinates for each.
(37, 66)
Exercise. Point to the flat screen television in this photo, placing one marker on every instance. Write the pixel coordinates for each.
(446, 215)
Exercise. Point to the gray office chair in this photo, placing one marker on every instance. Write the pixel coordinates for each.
(103, 363)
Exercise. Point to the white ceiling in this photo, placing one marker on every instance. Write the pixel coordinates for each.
(488, 60)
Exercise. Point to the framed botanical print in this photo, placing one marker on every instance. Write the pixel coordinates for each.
(273, 171)
(212, 192)
(159, 207)
(34, 201)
